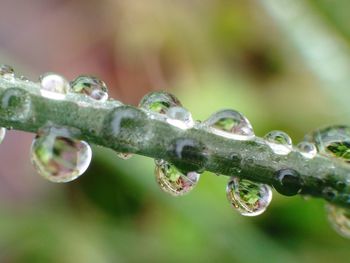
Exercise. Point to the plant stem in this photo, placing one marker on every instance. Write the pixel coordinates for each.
(129, 129)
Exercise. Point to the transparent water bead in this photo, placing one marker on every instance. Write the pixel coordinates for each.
(53, 86)
(7, 72)
(279, 142)
(180, 117)
(339, 219)
(230, 124)
(172, 181)
(159, 102)
(2, 134)
(124, 156)
(90, 86)
(60, 159)
(247, 197)
(307, 149)
(333, 141)
(16, 104)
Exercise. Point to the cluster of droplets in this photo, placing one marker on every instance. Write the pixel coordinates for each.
(334, 142)
(55, 154)
(60, 158)
(167, 107)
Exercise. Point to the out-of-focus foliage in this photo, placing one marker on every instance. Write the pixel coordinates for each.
(212, 55)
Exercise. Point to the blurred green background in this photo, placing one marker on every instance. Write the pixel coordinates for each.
(212, 54)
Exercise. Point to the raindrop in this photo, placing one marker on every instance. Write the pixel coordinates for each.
(15, 104)
(339, 219)
(7, 72)
(53, 86)
(247, 197)
(287, 182)
(159, 102)
(230, 124)
(124, 156)
(333, 141)
(60, 159)
(172, 181)
(279, 142)
(24, 78)
(307, 149)
(90, 86)
(180, 117)
(2, 134)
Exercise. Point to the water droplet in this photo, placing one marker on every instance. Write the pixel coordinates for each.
(339, 218)
(60, 159)
(172, 181)
(53, 86)
(15, 104)
(90, 86)
(287, 182)
(24, 78)
(2, 134)
(124, 156)
(188, 154)
(279, 142)
(159, 102)
(180, 117)
(247, 197)
(230, 124)
(7, 72)
(333, 141)
(329, 193)
(307, 149)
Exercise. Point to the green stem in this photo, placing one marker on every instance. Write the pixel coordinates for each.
(132, 130)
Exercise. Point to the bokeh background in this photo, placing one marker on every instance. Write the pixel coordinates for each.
(278, 62)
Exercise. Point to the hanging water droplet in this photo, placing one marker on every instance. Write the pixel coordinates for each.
(180, 117)
(172, 181)
(339, 218)
(15, 104)
(2, 134)
(333, 141)
(7, 72)
(230, 124)
(90, 86)
(124, 156)
(159, 101)
(247, 197)
(60, 159)
(279, 142)
(53, 86)
(307, 149)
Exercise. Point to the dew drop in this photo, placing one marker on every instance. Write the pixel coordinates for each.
(247, 197)
(333, 141)
(307, 149)
(7, 72)
(124, 156)
(172, 181)
(90, 86)
(23, 78)
(159, 102)
(230, 124)
(287, 182)
(339, 218)
(60, 159)
(2, 134)
(53, 86)
(279, 142)
(180, 117)
(15, 104)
